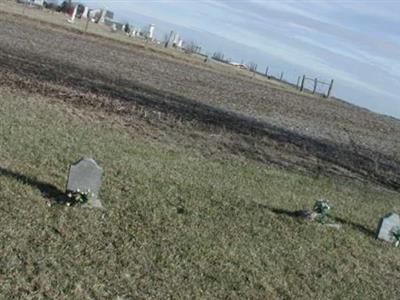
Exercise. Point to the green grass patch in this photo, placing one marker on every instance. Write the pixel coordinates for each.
(176, 224)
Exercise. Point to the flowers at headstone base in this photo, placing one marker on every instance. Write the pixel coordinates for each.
(78, 197)
(321, 208)
(396, 236)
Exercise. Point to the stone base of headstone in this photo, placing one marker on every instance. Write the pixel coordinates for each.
(334, 226)
(93, 204)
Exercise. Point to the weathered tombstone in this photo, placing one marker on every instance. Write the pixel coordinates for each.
(387, 225)
(86, 175)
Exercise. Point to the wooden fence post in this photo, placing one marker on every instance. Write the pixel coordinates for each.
(87, 22)
(266, 71)
(330, 89)
(298, 82)
(25, 5)
(315, 85)
(302, 83)
(281, 76)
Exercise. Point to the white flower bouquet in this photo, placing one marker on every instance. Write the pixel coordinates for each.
(79, 197)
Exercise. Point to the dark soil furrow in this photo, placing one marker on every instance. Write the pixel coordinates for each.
(82, 82)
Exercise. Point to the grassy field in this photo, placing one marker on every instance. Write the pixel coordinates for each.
(203, 170)
(177, 224)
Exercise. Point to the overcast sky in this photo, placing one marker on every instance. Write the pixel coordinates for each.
(357, 43)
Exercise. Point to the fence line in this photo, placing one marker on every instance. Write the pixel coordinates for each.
(301, 81)
(316, 82)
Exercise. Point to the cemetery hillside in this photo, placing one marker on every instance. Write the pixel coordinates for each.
(207, 177)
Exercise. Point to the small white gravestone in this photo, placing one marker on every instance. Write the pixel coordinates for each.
(86, 175)
(387, 225)
(72, 20)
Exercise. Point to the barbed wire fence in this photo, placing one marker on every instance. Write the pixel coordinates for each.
(316, 86)
(303, 83)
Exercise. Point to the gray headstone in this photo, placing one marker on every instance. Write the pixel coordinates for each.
(86, 175)
(387, 225)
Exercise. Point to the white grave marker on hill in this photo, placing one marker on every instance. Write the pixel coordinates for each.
(72, 20)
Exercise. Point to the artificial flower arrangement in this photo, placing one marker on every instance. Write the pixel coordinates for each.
(79, 197)
(321, 209)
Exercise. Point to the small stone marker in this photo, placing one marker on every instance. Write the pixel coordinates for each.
(86, 175)
(387, 225)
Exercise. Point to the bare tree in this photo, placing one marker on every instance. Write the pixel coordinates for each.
(252, 66)
(218, 56)
(166, 38)
(192, 47)
(127, 28)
